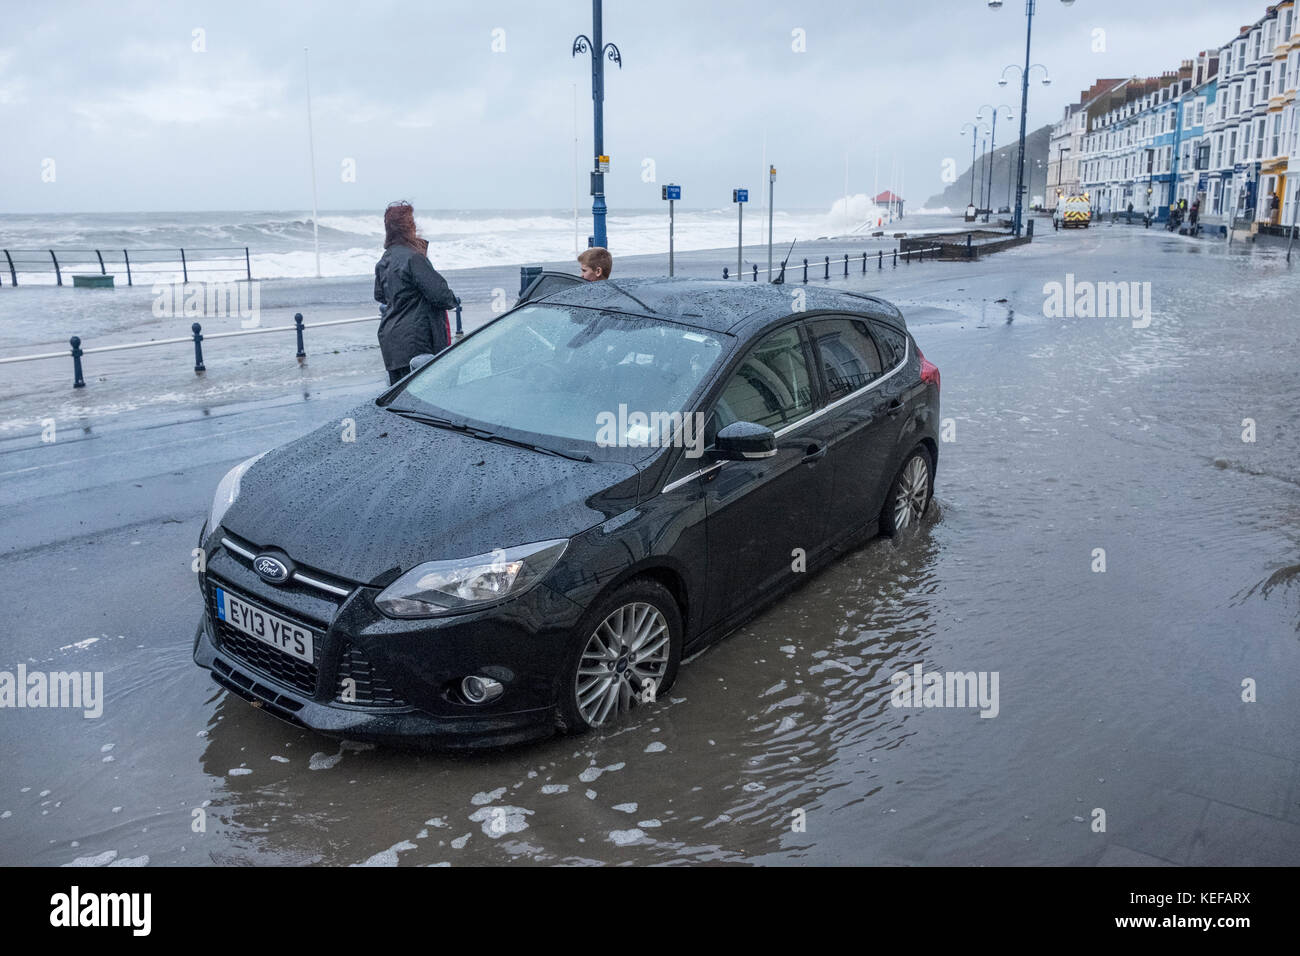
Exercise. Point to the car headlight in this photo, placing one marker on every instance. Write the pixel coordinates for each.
(461, 583)
(227, 491)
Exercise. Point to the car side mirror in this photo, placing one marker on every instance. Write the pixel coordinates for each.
(420, 361)
(744, 441)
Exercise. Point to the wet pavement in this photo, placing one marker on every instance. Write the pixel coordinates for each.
(1119, 691)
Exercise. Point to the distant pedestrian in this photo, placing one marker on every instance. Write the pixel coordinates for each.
(596, 263)
(417, 298)
(1129, 216)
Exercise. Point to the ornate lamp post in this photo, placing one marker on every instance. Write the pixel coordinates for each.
(599, 49)
(1024, 103)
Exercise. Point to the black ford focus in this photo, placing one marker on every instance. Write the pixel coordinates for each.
(530, 530)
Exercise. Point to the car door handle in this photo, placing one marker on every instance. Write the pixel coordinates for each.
(815, 451)
(894, 408)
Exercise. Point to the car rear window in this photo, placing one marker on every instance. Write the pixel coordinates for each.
(849, 357)
(893, 344)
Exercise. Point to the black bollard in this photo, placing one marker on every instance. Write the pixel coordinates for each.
(880, 259)
(864, 263)
(828, 268)
(805, 270)
(526, 276)
(970, 250)
(895, 258)
(724, 273)
(755, 271)
(846, 265)
(77, 380)
(297, 323)
(459, 331)
(198, 348)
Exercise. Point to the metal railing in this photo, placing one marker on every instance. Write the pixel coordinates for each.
(127, 262)
(197, 337)
(825, 265)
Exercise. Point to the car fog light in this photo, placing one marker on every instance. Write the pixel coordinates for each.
(480, 690)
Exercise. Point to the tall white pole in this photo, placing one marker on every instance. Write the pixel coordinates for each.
(875, 179)
(311, 152)
(893, 167)
(846, 188)
(576, 247)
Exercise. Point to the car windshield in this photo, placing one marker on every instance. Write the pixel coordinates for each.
(568, 372)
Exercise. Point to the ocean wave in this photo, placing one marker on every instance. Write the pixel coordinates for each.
(281, 243)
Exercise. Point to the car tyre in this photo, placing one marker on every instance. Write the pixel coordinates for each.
(627, 653)
(909, 494)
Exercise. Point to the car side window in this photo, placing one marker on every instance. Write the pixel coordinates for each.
(893, 345)
(770, 387)
(547, 283)
(848, 354)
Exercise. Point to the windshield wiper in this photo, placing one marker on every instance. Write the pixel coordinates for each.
(425, 419)
(493, 436)
(484, 434)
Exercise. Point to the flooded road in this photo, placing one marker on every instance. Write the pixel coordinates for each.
(1104, 542)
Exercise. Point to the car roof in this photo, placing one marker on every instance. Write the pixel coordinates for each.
(740, 308)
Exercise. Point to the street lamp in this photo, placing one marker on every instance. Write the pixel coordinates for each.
(1047, 80)
(1060, 163)
(599, 50)
(993, 146)
(1024, 102)
(985, 160)
(975, 128)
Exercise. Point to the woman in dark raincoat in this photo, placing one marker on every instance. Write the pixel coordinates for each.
(417, 297)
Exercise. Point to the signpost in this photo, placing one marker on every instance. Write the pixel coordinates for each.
(672, 193)
(740, 197)
(771, 187)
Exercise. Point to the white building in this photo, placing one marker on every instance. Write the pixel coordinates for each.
(1064, 148)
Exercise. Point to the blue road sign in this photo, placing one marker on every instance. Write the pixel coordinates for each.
(672, 192)
(740, 195)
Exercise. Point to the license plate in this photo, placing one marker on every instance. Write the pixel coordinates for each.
(283, 635)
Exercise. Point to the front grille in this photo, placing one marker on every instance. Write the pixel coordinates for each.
(369, 688)
(265, 659)
(250, 689)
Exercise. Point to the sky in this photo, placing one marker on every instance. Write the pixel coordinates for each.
(133, 106)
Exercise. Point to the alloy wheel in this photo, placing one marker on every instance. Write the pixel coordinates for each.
(913, 492)
(627, 649)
